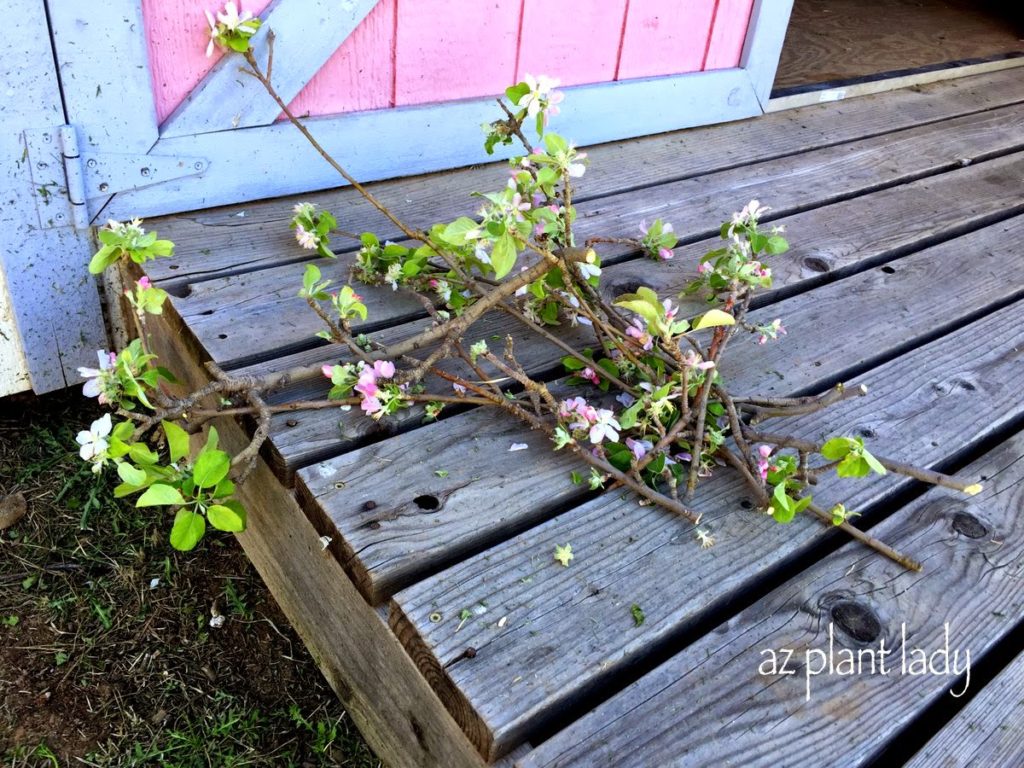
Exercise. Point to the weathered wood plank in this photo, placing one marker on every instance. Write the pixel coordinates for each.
(236, 319)
(392, 705)
(925, 406)
(710, 705)
(245, 237)
(832, 241)
(398, 525)
(988, 731)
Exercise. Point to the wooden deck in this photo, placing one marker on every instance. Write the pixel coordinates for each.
(905, 212)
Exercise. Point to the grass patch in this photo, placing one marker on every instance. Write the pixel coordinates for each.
(107, 652)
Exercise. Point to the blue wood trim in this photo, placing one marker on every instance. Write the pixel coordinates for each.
(275, 160)
(766, 32)
(54, 299)
(306, 32)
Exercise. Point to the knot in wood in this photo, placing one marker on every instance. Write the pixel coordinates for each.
(856, 620)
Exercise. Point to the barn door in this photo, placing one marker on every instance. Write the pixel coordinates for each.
(392, 87)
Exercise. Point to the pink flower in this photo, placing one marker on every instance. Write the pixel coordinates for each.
(637, 330)
(703, 268)
(764, 451)
(384, 369)
(643, 226)
(144, 282)
(328, 371)
(665, 254)
(639, 448)
(371, 405)
(367, 384)
(694, 361)
(589, 374)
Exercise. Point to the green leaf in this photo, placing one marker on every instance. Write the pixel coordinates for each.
(187, 531)
(776, 245)
(311, 277)
(131, 475)
(516, 92)
(714, 318)
(102, 259)
(629, 416)
(854, 465)
(564, 554)
(160, 495)
(177, 440)
(836, 448)
(555, 144)
(642, 308)
(455, 233)
(638, 615)
(141, 454)
(229, 516)
(212, 439)
(572, 364)
(503, 256)
(875, 464)
(210, 468)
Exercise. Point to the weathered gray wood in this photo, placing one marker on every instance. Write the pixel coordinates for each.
(389, 539)
(233, 327)
(710, 706)
(568, 629)
(245, 237)
(395, 710)
(829, 241)
(988, 731)
(54, 301)
(306, 34)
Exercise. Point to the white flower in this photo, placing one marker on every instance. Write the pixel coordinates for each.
(540, 88)
(307, 240)
(94, 386)
(93, 442)
(303, 209)
(588, 270)
(231, 18)
(604, 426)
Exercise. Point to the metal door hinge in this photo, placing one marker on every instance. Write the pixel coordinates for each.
(72, 186)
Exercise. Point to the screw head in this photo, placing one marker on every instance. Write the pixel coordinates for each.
(91, 163)
(199, 165)
(104, 187)
(145, 171)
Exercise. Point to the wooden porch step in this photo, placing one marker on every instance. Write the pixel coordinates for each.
(242, 238)
(988, 731)
(710, 706)
(906, 217)
(830, 242)
(568, 631)
(234, 328)
(396, 527)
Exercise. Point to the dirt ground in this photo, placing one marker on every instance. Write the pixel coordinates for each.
(108, 656)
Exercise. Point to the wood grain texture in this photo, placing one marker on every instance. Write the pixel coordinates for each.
(728, 34)
(924, 405)
(395, 710)
(972, 552)
(306, 33)
(250, 236)
(233, 328)
(53, 300)
(576, 41)
(842, 39)
(433, 61)
(828, 242)
(359, 75)
(394, 540)
(656, 41)
(988, 730)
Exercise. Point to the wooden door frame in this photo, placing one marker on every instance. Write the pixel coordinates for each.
(232, 155)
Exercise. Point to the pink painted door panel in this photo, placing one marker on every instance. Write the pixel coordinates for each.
(419, 51)
(665, 36)
(577, 41)
(728, 33)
